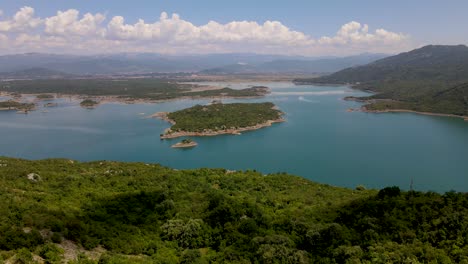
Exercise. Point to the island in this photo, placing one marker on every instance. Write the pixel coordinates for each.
(88, 103)
(18, 106)
(217, 119)
(186, 143)
(45, 96)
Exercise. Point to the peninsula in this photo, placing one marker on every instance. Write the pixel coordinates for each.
(217, 119)
(429, 80)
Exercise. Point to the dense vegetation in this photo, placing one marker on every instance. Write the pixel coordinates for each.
(88, 103)
(186, 141)
(153, 89)
(14, 105)
(145, 213)
(223, 116)
(430, 79)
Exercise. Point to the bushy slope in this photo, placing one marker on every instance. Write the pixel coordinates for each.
(429, 63)
(145, 213)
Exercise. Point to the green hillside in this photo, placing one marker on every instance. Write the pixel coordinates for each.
(432, 78)
(111, 212)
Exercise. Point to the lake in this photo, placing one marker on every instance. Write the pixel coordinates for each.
(320, 141)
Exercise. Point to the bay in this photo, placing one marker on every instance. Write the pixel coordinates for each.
(320, 141)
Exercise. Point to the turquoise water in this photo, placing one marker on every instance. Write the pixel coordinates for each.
(320, 140)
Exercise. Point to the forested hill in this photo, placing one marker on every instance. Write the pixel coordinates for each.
(111, 212)
(432, 79)
(429, 63)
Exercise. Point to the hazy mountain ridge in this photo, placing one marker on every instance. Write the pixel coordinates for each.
(317, 65)
(134, 63)
(35, 73)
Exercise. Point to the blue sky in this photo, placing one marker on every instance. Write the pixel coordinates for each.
(423, 22)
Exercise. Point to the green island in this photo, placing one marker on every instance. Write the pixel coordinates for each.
(185, 143)
(88, 103)
(14, 105)
(429, 80)
(64, 211)
(126, 89)
(45, 96)
(218, 118)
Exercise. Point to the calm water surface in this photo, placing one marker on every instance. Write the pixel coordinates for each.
(320, 140)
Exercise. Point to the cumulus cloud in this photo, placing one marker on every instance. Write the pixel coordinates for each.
(68, 23)
(355, 33)
(23, 20)
(176, 30)
(171, 34)
(3, 38)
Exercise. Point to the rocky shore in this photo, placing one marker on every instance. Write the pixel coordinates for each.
(412, 111)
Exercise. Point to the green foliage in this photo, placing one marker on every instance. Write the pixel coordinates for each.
(151, 88)
(145, 213)
(88, 103)
(13, 105)
(51, 253)
(223, 116)
(23, 256)
(45, 96)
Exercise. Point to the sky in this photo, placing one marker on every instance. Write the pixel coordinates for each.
(293, 27)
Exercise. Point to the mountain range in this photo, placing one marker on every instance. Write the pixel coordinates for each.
(137, 63)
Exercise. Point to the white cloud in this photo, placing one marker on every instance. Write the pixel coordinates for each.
(1, 12)
(23, 20)
(3, 38)
(68, 23)
(355, 33)
(23, 39)
(176, 30)
(91, 33)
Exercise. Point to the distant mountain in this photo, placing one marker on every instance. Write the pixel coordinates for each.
(433, 78)
(300, 65)
(135, 63)
(34, 73)
(126, 63)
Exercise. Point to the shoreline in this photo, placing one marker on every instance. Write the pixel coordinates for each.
(114, 99)
(210, 133)
(363, 109)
